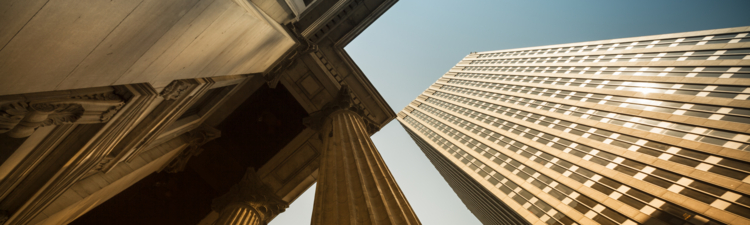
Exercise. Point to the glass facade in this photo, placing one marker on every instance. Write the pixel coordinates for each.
(632, 131)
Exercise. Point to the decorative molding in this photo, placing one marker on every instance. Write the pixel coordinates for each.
(342, 101)
(21, 118)
(34, 158)
(325, 18)
(98, 96)
(107, 115)
(174, 89)
(65, 159)
(64, 114)
(339, 15)
(11, 114)
(183, 94)
(326, 65)
(251, 192)
(273, 76)
(365, 22)
(196, 138)
(177, 100)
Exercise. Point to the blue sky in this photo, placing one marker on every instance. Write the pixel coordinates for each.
(417, 41)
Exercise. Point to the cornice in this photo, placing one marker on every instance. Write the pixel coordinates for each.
(365, 23)
(371, 90)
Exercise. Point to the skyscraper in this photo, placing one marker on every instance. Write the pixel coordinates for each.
(643, 130)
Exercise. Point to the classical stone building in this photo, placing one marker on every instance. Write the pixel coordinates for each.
(161, 111)
(643, 130)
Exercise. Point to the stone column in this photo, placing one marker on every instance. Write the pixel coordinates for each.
(355, 186)
(250, 202)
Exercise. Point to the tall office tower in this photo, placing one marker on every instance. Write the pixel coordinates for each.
(643, 130)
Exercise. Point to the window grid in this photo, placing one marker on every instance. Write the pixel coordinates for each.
(680, 71)
(676, 108)
(567, 195)
(686, 157)
(719, 54)
(672, 42)
(646, 203)
(659, 177)
(552, 216)
(725, 139)
(702, 90)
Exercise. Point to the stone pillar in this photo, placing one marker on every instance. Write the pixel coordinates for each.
(354, 185)
(250, 202)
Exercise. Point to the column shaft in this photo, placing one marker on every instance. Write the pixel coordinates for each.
(239, 215)
(355, 185)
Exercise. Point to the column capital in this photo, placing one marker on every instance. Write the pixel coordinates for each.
(252, 192)
(342, 101)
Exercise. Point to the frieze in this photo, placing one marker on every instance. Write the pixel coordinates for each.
(64, 114)
(99, 96)
(20, 119)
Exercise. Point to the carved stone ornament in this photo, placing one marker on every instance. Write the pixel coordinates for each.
(11, 114)
(99, 96)
(109, 113)
(343, 100)
(174, 89)
(197, 138)
(252, 192)
(36, 115)
(21, 119)
(69, 113)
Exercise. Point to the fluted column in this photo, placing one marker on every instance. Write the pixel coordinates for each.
(354, 186)
(250, 202)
